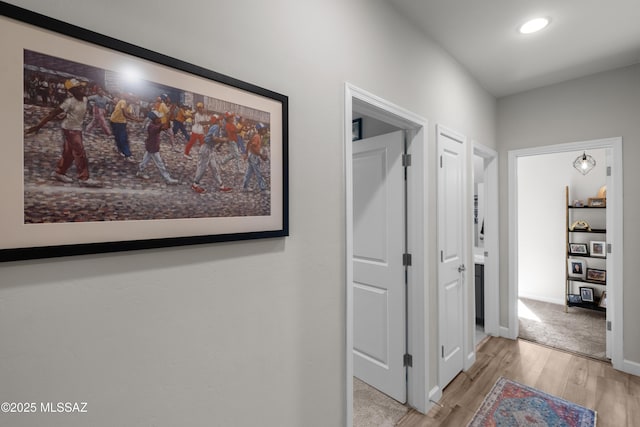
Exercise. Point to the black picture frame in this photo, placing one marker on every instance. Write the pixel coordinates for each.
(574, 299)
(356, 129)
(33, 32)
(578, 249)
(596, 275)
(586, 294)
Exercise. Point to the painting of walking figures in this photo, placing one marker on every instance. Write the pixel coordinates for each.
(107, 146)
(116, 147)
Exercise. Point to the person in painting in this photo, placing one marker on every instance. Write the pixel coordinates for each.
(152, 146)
(74, 109)
(181, 115)
(207, 157)
(121, 114)
(166, 108)
(200, 120)
(99, 101)
(254, 155)
(232, 138)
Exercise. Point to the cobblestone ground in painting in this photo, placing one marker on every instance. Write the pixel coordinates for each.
(123, 196)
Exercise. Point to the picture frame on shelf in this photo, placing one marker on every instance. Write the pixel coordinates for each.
(578, 249)
(105, 202)
(597, 248)
(356, 129)
(574, 298)
(586, 294)
(603, 300)
(596, 275)
(597, 202)
(576, 268)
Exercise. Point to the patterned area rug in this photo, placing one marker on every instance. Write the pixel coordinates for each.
(510, 404)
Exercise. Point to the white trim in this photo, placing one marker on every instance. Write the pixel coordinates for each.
(630, 367)
(417, 217)
(491, 240)
(614, 236)
(543, 299)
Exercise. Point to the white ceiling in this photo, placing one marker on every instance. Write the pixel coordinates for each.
(584, 37)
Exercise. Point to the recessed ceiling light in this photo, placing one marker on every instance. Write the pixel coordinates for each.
(534, 25)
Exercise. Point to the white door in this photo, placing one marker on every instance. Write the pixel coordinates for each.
(379, 337)
(452, 213)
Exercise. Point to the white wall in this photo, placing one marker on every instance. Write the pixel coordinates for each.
(599, 106)
(541, 218)
(244, 333)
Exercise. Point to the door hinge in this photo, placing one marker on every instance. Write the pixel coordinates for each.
(608, 170)
(443, 352)
(441, 256)
(441, 161)
(406, 259)
(408, 360)
(406, 160)
(608, 325)
(608, 248)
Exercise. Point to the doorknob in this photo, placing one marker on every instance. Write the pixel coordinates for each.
(461, 268)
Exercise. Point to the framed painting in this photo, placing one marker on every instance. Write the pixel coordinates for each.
(114, 147)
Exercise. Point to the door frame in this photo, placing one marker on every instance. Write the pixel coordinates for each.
(491, 240)
(418, 323)
(614, 208)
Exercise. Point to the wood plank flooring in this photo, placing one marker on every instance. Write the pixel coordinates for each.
(587, 382)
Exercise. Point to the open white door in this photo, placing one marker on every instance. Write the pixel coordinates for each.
(379, 335)
(452, 213)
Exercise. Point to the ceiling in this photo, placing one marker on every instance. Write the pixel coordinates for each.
(584, 37)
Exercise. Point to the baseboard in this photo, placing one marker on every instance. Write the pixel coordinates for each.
(434, 396)
(631, 367)
(557, 301)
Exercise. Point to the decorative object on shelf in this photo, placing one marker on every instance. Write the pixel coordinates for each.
(576, 268)
(578, 203)
(580, 224)
(597, 202)
(586, 294)
(584, 163)
(602, 192)
(574, 298)
(578, 249)
(597, 249)
(597, 275)
(356, 129)
(603, 300)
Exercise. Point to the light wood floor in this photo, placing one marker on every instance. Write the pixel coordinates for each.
(587, 382)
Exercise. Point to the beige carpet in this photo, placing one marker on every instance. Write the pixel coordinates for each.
(372, 408)
(579, 331)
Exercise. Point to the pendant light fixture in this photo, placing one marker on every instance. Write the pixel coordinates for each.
(584, 163)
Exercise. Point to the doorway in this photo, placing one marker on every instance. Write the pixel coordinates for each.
(485, 241)
(543, 315)
(613, 163)
(417, 325)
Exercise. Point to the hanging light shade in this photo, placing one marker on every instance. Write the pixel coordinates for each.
(584, 163)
